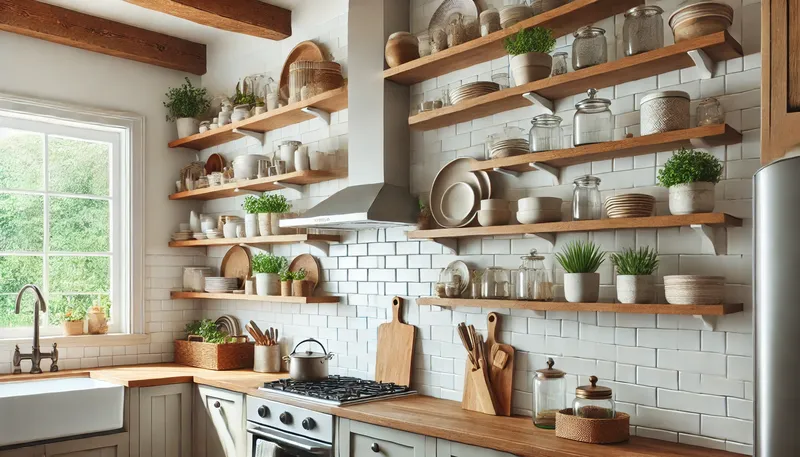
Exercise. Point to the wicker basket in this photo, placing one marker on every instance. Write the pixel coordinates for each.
(596, 431)
(210, 356)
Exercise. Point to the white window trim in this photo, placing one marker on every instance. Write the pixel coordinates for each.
(133, 250)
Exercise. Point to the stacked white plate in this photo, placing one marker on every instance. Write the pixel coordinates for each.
(199, 236)
(212, 234)
(630, 205)
(472, 90)
(694, 290)
(216, 284)
(508, 148)
(510, 15)
(182, 236)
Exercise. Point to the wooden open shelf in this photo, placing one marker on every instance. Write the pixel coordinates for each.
(330, 101)
(561, 21)
(275, 239)
(691, 310)
(706, 136)
(269, 298)
(719, 47)
(235, 189)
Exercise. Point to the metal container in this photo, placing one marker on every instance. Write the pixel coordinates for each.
(267, 359)
(664, 112)
(593, 401)
(308, 365)
(643, 29)
(593, 121)
(589, 48)
(545, 133)
(550, 395)
(586, 202)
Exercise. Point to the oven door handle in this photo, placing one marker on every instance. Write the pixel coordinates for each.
(284, 439)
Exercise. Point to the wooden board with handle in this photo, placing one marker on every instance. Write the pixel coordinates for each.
(501, 366)
(478, 395)
(395, 348)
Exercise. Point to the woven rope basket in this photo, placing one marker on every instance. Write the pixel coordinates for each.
(210, 356)
(596, 431)
(664, 115)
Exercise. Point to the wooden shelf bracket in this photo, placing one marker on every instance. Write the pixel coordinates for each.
(709, 322)
(248, 192)
(323, 115)
(295, 187)
(540, 104)
(550, 170)
(704, 64)
(322, 246)
(715, 237)
(449, 244)
(260, 136)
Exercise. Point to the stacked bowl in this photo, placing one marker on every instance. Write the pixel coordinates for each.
(494, 212)
(694, 290)
(535, 210)
(510, 15)
(700, 19)
(630, 205)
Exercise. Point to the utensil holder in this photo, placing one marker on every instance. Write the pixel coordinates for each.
(267, 359)
(596, 431)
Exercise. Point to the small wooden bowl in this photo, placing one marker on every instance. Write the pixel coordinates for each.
(595, 431)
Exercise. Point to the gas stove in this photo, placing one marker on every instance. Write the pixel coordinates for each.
(337, 390)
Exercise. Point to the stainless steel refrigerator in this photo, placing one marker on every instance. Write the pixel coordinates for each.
(776, 302)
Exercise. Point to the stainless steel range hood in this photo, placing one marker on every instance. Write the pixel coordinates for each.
(378, 157)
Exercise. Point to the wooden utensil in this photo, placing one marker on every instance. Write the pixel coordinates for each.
(395, 348)
(478, 395)
(236, 264)
(309, 263)
(254, 334)
(501, 367)
(259, 332)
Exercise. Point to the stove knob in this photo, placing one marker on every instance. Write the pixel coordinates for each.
(263, 411)
(309, 424)
(375, 448)
(286, 418)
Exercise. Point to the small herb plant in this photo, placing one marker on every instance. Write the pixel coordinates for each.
(688, 166)
(580, 257)
(74, 314)
(243, 99)
(254, 205)
(275, 203)
(534, 39)
(269, 263)
(632, 262)
(300, 275)
(208, 330)
(287, 275)
(186, 101)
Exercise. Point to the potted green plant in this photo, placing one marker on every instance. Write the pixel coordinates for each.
(580, 261)
(254, 208)
(267, 269)
(691, 176)
(424, 217)
(242, 101)
(299, 284)
(530, 54)
(276, 205)
(286, 283)
(208, 347)
(184, 105)
(73, 321)
(635, 278)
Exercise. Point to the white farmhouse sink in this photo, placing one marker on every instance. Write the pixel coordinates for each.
(42, 410)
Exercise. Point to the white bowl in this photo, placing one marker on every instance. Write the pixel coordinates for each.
(539, 203)
(495, 204)
(490, 217)
(538, 216)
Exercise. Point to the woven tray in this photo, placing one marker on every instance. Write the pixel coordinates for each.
(210, 356)
(596, 431)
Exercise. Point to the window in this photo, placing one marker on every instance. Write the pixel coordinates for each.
(65, 221)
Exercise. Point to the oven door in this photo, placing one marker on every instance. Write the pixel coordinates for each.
(269, 442)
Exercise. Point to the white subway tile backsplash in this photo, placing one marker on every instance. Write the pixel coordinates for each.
(684, 401)
(727, 428)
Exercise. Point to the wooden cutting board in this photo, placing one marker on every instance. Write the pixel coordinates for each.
(236, 264)
(309, 263)
(395, 348)
(501, 364)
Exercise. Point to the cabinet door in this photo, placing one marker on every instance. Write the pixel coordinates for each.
(357, 439)
(100, 446)
(164, 419)
(33, 451)
(219, 423)
(446, 448)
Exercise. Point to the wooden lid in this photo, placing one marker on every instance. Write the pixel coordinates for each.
(593, 392)
(550, 372)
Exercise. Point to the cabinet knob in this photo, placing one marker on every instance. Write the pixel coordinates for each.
(375, 448)
(217, 405)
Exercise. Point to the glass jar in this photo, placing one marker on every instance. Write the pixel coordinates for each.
(593, 401)
(549, 395)
(496, 283)
(710, 112)
(586, 202)
(593, 121)
(643, 30)
(545, 134)
(559, 64)
(527, 275)
(589, 48)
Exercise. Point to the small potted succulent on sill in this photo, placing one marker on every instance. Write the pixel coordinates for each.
(691, 176)
(73, 321)
(184, 105)
(424, 218)
(254, 207)
(530, 54)
(267, 269)
(580, 261)
(276, 205)
(286, 283)
(300, 285)
(635, 278)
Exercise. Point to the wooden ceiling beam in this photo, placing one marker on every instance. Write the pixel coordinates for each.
(250, 17)
(63, 26)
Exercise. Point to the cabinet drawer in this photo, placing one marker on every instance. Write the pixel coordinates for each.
(357, 439)
(446, 448)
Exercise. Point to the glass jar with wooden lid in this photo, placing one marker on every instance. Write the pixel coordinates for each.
(550, 390)
(593, 401)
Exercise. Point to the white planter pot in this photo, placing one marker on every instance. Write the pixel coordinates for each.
(695, 197)
(187, 126)
(251, 225)
(264, 226)
(316, 160)
(635, 289)
(582, 287)
(530, 67)
(268, 284)
(274, 222)
(301, 159)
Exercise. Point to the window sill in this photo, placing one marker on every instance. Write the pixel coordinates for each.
(111, 339)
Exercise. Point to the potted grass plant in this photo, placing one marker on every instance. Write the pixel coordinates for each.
(530, 54)
(691, 176)
(580, 261)
(184, 105)
(299, 284)
(286, 283)
(635, 278)
(254, 207)
(276, 205)
(267, 269)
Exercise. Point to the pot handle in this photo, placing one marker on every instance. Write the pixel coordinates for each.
(310, 340)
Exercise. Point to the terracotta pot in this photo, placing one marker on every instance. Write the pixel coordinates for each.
(582, 287)
(530, 67)
(635, 289)
(72, 328)
(401, 47)
(690, 198)
(286, 288)
(300, 288)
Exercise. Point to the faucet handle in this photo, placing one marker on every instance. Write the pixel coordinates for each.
(54, 358)
(17, 360)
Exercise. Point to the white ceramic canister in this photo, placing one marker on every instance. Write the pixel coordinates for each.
(240, 112)
(316, 160)
(664, 111)
(287, 153)
(301, 158)
(251, 225)
(207, 223)
(194, 222)
(224, 116)
(246, 166)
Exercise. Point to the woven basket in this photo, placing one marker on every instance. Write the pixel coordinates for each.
(210, 356)
(596, 431)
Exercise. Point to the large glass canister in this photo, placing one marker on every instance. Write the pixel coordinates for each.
(593, 401)
(530, 272)
(593, 121)
(545, 134)
(587, 204)
(643, 29)
(549, 395)
(496, 283)
(589, 48)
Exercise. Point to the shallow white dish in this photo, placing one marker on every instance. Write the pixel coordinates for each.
(458, 202)
(458, 170)
(538, 216)
(539, 203)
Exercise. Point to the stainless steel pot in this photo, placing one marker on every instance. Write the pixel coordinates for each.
(308, 365)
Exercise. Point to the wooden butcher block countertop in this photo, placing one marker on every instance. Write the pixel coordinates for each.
(416, 414)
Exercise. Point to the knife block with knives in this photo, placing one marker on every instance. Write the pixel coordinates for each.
(489, 370)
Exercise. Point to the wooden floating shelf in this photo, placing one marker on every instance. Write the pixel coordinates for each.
(329, 102)
(235, 189)
(269, 298)
(561, 21)
(718, 47)
(705, 136)
(691, 310)
(275, 239)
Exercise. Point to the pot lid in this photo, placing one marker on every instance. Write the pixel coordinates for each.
(550, 372)
(664, 94)
(309, 354)
(593, 391)
(593, 102)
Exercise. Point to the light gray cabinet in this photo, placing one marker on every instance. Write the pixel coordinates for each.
(99, 446)
(356, 439)
(33, 451)
(446, 448)
(161, 421)
(219, 425)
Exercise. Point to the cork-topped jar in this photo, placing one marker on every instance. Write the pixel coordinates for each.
(593, 401)
(550, 389)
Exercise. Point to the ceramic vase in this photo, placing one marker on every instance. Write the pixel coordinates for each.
(274, 222)
(690, 198)
(268, 284)
(301, 158)
(194, 222)
(224, 116)
(264, 226)
(316, 160)
(261, 109)
(635, 289)
(582, 287)
(251, 225)
(401, 47)
(530, 67)
(187, 126)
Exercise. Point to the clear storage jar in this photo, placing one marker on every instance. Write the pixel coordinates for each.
(549, 395)
(593, 401)
(586, 202)
(643, 29)
(559, 64)
(593, 121)
(710, 112)
(545, 133)
(589, 48)
(534, 281)
(496, 283)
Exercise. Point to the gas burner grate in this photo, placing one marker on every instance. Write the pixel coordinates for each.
(339, 389)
